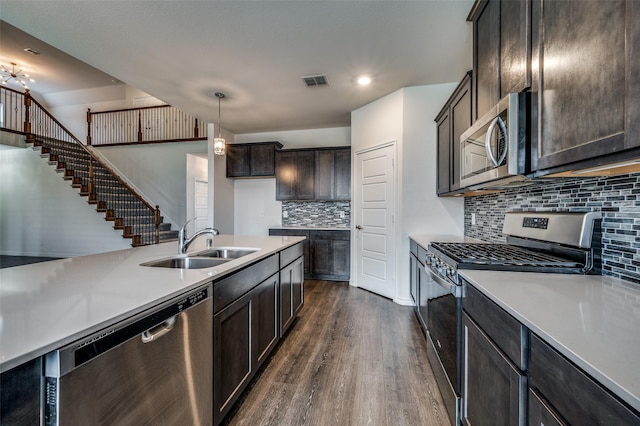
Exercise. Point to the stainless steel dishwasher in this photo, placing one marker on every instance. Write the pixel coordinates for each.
(154, 368)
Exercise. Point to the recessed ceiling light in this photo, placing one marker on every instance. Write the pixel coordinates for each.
(364, 80)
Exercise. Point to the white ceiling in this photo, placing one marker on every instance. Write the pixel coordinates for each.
(253, 51)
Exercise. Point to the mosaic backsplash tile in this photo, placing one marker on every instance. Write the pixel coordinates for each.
(316, 213)
(617, 198)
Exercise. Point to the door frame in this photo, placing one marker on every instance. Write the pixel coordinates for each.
(356, 205)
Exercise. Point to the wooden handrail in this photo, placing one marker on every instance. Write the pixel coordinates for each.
(130, 109)
(31, 133)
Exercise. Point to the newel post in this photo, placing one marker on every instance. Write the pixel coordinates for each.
(88, 126)
(27, 113)
(139, 126)
(156, 220)
(195, 130)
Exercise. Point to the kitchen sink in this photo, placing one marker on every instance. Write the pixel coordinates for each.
(225, 252)
(181, 262)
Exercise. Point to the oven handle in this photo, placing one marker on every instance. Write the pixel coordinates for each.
(452, 288)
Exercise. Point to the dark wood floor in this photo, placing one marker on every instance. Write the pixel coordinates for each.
(352, 358)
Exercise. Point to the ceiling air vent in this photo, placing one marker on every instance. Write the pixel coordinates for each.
(316, 80)
(32, 51)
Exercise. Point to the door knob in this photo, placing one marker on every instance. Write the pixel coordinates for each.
(358, 227)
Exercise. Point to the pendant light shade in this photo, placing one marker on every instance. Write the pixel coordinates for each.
(219, 142)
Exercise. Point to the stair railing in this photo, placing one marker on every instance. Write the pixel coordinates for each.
(153, 124)
(38, 123)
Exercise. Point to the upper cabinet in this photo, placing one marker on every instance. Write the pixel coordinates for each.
(501, 51)
(586, 80)
(252, 159)
(313, 174)
(452, 121)
(333, 174)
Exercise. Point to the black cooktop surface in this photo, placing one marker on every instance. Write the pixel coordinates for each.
(502, 256)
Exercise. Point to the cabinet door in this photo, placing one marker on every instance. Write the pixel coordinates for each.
(20, 395)
(460, 117)
(540, 414)
(238, 160)
(232, 357)
(264, 319)
(486, 61)
(285, 175)
(493, 390)
(413, 278)
(263, 160)
(297, 285)
(423, 294)
(286, 302)
(324, 176)
(584, 80)
(515, 47)
(444, 154)
(304, 175)
(342, 174)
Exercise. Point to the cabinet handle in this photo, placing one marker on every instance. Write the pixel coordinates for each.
(487, 145)
(358, 227)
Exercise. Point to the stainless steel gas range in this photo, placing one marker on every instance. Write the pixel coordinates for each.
(536, 242)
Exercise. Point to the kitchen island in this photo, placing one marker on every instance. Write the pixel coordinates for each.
(46, 306)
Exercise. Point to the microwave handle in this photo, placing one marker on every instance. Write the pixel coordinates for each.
(487, 145)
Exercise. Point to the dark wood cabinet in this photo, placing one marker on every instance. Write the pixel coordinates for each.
(413, 271)
(327, 252)
(493, 390)
(295, 175)
(571, 393)
(330, 254)
(21, 394)
(494, 356)
(540, 413)
(252, 159)
(291, 293)
(452, 121)
(313, 174)
(333, 174)
(501, 51)
(585, 109)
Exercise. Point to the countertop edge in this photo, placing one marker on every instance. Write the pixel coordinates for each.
(14, 361)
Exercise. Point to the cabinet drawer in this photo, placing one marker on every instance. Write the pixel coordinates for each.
(578, 398)
(231, 288)
(422, 254)
(507, 333)
(290, 254)
(330, 235)
(413, 247)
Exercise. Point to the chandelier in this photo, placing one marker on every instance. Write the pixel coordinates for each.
(18, 76)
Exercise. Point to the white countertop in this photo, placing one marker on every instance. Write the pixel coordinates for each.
(593, 320)
(47, 305)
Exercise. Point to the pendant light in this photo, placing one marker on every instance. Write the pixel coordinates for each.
(219, 143)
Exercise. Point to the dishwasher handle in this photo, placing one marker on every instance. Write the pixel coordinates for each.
(154, 333)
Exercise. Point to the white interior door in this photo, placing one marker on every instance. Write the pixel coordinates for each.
(200, 204)
(374, 219)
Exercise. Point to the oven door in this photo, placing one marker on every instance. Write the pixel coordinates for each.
(495, 146)
(444, 308)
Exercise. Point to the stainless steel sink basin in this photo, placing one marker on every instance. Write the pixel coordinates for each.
(225, 252)
(186, 262)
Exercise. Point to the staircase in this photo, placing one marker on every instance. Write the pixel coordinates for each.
(106, 191)
(130, 213)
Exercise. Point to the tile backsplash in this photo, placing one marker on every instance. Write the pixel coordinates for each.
(316, 213)
(617, 198)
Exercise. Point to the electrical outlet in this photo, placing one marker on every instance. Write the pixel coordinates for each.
(341, 215)
(473, 218)
(285, 214)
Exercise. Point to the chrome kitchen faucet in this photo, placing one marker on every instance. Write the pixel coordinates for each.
(184, 242)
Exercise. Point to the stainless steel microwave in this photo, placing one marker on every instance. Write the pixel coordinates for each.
(493, 151)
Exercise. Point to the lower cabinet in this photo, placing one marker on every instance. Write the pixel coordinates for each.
(291, 293)
(244, 333)
(21, 394)
(493, 389)
(569, 394)
(494, 363)
(327, 252)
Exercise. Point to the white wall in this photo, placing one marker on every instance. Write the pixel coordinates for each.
(406, 117)
(41, 215)
(256, 208)
(158, 171)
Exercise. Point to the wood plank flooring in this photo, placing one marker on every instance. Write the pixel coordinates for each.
(352, 358)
